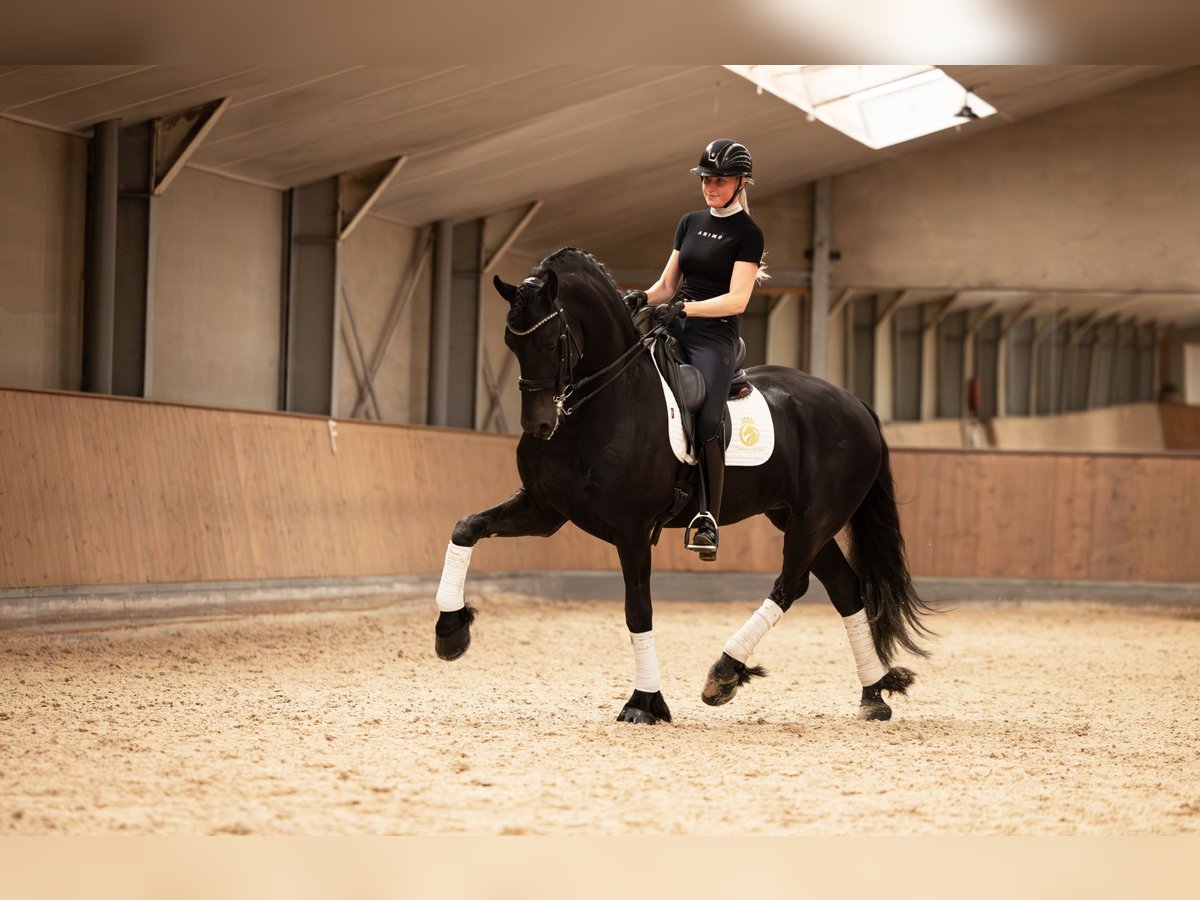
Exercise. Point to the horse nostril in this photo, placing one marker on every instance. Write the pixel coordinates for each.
(545, 430)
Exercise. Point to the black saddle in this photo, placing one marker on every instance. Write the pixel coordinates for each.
(685, 381)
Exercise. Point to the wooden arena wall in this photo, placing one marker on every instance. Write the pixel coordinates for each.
(104, 491)
(1181, 426)
(1128, 428)
(1004, 514)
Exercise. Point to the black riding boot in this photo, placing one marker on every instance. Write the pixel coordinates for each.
(702, 532)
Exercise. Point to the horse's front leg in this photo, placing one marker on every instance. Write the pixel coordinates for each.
(646, 705)
(518, 516)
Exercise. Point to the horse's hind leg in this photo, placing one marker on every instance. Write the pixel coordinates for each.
(730, 671)
(515, 517)
(841, 583)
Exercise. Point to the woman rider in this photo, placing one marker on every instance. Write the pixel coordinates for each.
(714, 265)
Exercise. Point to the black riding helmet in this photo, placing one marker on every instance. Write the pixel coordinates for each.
(727, 158)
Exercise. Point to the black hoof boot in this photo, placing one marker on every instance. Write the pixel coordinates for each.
(452, 635)
(645, 709)
(725, 677)
(872, 707)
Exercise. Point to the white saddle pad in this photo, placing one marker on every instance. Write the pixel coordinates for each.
(753, 437)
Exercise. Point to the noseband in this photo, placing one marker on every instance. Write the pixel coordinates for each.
(565, 386)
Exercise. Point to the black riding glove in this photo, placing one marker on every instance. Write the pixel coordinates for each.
(635, 300)
(668, 312)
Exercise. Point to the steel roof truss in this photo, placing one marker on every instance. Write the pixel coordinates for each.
(177, 137)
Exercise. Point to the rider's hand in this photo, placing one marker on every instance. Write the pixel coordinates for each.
(666, 312)
(635, 300)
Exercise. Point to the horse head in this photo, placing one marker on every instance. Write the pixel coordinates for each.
(538, 334)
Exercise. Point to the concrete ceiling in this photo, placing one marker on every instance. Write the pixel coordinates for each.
(601, 146)
(480, 139)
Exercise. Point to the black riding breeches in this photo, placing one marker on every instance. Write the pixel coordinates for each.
(710, 345)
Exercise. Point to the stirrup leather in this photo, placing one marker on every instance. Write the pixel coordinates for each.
(702, 527)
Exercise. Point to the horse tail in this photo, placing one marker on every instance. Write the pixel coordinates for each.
(877, 556)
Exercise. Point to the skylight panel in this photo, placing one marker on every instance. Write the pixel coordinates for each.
(876, 105)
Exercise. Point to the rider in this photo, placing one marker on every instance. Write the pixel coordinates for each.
(716, 260)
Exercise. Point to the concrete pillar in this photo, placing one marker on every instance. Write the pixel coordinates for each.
(929, 371)
(133, 319)
(1191, 374)
(120, 267)
(313, 319)
(465, 350)
(1002, 373)
(884, 394)
(101, 258)
(818, 331)
(454, 350)
(439, 332)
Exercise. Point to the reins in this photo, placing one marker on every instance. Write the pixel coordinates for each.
(624, 361)
(565, 384)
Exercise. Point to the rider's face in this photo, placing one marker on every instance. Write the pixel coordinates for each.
(718, 189)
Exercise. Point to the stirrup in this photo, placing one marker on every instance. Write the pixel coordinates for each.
(701, 536)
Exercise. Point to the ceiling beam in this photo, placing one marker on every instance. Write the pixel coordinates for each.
(177, 137)
(978, 316)
(939, 312)
(842, 300)
(1046, 326)
(891, 305)
(358, 190)
(1016, 317)
(1080, 328)
(510, 239)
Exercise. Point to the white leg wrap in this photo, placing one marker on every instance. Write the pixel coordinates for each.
(454, 576)
(858, 629)
(742, 644)
(645, 663)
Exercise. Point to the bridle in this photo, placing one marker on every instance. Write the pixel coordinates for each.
(567, 398)
(566, 341)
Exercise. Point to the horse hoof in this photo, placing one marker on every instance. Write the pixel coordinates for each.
(454, 645)
(645, 708)
(637, 716)
(452, 635)
(872, 707)
(725, 677)
(874, 711)
(718, 693)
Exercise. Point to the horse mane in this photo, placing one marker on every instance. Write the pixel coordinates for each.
(576, 267)
(571, 257)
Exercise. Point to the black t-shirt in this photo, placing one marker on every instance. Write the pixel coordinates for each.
(708, 247)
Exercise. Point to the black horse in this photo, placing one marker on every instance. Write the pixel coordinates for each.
(595, 452)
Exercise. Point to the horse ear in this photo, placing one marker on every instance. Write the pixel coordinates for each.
(551, 280)
(506, 290)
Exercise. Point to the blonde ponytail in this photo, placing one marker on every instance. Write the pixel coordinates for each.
(744, 199)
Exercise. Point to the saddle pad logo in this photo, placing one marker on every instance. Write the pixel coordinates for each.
(748, 432)
(753, 440)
